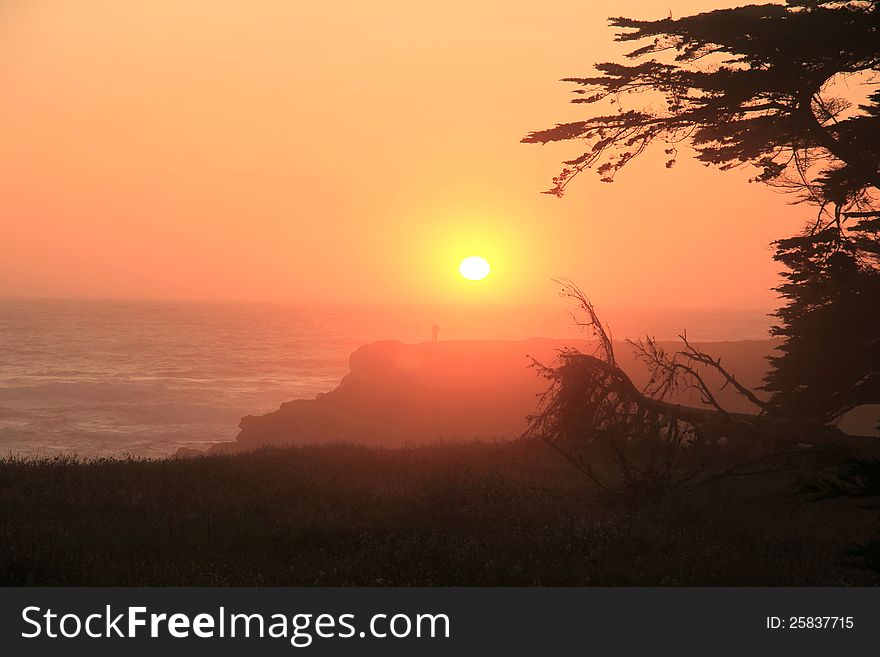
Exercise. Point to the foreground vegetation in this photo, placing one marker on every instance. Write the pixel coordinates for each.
(465, 514)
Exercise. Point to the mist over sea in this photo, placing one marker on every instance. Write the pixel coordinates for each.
(146, 377)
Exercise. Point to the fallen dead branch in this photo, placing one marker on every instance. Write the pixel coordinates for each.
(593, 405)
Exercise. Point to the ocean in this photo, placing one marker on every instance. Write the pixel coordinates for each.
(143, 378)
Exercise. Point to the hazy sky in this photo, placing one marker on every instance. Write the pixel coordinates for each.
(276, 149)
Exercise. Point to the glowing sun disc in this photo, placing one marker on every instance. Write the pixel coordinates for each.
(474, 268)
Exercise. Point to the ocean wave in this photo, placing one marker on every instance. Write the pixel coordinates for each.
(13, 414)
(84, 392)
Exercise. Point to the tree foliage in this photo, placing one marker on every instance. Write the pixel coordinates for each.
(758, 86)
(830, 360)
(742, 86)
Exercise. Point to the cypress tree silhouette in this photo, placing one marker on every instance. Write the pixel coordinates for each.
(754, 86)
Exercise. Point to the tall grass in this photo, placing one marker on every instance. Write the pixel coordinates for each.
(455, 514)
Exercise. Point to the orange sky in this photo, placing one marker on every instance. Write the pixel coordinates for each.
(271, 149)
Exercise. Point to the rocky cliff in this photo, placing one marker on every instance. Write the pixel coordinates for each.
(397, 394)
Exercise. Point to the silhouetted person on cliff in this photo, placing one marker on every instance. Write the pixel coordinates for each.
(435, 331)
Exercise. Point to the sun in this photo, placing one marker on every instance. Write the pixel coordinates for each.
(474, 268)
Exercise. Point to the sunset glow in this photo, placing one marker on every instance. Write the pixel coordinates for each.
(171, 150)
(302, 294)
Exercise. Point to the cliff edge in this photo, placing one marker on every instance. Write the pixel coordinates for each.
(397, 394)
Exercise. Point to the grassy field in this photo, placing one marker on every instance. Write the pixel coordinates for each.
(465, 514)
